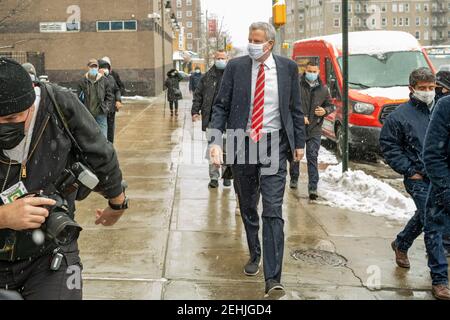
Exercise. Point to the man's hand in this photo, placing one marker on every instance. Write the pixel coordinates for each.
(216, 155)
(306, 121)
(320, 112)
(119, 106)
(108, 217)
(416, 177)
(195, 117)
(299, 154)
(25, 214)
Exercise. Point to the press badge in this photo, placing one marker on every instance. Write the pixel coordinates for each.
(13, 193)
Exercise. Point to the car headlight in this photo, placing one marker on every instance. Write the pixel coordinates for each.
(363, 108)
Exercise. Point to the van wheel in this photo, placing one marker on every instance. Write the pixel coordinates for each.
(340, 144)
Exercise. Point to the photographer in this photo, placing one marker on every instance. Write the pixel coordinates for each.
(35, 150)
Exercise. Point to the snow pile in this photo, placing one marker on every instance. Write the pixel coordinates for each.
(325, 156)
(373, 42)
(393, 93)
(360, 192)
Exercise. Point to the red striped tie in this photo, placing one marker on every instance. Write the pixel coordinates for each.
(258, 106)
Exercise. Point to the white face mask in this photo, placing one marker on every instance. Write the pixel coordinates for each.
(425, 96)
(256, 51)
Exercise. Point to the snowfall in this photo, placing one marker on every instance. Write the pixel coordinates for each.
(359, 192)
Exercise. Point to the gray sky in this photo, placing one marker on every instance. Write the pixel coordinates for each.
(238, 15)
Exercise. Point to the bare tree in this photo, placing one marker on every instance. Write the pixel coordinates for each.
(11, 9)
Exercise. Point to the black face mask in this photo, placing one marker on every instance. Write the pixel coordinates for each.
(11, 134)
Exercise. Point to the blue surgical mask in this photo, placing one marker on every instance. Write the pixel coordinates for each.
(93, 72)
(221, 64)
(311, 77)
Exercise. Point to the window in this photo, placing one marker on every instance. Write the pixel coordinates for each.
(400, 22)
(119, 25)
(401, 7)
(394, 7)
(366, 8)
(189, 46)
(189, 3)
(337, 8)
(350, 7)
(418, 35)
(301, 17)
(189, 24)
(358, 22)
(426, 7)
(383, 8)
(406, 7)
(189, 13)
(394, 22)
(418, 7)
(350, 22)
(384, 22)
(331, 79)
(426, 35)
(358, 8)
(426, 21)
(373, 22)
(179, 4)
(189, 36)
(179, 14)
(407, 22)
(337, 23)
(418, 21)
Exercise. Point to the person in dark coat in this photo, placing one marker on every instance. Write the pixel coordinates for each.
(316, 105)
(259, 104)
(194, 80)
(116, 77)
(105, 70)
(172, 84)
(401, 141)
(204, 97)
(97, 95)
(436, 157)
(443, 84)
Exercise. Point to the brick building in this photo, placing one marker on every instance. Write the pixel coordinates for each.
(60, 38)
(188, 13)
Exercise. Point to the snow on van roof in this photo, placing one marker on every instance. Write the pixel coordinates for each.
(372, 42)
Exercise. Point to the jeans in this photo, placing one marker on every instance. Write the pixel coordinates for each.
(437, 224)
(102, 121)
(418, 190)
(312, 154)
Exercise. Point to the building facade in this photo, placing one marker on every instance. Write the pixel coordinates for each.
(427, 20)
(60, 38)
(189, 15)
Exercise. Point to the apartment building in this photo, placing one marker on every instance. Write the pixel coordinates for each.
(60, 38)
(427, 20)
(188, 14)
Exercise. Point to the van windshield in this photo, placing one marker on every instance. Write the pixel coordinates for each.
(388, 69)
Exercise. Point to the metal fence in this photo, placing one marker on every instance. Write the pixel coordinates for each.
(19, 56)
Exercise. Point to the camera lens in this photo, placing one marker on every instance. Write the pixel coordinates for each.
(61, 228)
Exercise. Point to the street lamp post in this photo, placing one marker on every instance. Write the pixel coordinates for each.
(345, 155)
(164, 8)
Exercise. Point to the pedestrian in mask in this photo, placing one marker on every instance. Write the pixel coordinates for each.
(443, 84)
(194, 79)
(172, 84)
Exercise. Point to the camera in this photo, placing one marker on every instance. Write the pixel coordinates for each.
(60, 227)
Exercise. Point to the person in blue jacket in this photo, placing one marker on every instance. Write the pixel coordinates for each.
(401, 142)
(436, 157)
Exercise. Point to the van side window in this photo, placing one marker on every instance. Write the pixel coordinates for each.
(332, 80)
(303, 61)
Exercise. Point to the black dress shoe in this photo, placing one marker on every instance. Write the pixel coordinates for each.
(252, 268)
(273, 286)
(313, 195)
(213, 184)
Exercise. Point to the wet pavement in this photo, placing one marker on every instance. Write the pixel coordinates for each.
(180, 240)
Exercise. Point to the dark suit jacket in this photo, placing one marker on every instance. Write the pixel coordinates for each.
(232, 106)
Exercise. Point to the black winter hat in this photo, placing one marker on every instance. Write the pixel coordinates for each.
(104, 64)
(443, 79)
(16, 89)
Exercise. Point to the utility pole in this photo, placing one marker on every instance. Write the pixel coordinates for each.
(163, 37)
(345, 155)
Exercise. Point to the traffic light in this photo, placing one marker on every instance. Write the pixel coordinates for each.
(279, 13)
(229, 47)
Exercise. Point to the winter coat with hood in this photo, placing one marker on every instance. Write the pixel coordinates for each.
(205, 94)
(402, 138)
(172, 84)
(103, 90)
(313, 96)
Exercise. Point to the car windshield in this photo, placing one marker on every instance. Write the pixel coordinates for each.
(388, 69)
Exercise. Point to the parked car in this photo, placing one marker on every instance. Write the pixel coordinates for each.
(380, 63)
(439, 55)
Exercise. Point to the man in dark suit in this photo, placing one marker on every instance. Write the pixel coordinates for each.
(259, 105)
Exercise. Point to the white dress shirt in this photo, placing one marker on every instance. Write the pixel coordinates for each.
(272, 118)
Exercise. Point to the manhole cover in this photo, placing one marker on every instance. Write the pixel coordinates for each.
(314, 256)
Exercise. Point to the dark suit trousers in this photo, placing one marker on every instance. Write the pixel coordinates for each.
(250, 185)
